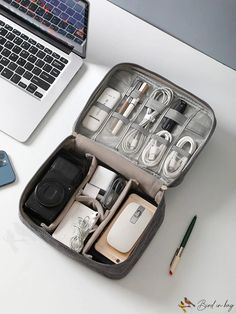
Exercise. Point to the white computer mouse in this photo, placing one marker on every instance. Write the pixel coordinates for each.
(128, 227)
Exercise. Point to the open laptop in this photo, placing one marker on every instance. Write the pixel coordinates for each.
(42, 43)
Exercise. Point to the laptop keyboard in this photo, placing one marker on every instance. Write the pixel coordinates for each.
(67, 18)
(27, 63)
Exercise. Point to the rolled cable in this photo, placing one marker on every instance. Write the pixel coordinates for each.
(153, 153)
(174, 164)
(134, 139)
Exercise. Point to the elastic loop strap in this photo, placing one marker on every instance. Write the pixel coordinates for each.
(181, 151)
(120, 117)
(102, 107)
(140, 129)
(155, 104)
(176, 116)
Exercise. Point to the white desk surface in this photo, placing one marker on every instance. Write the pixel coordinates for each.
(35, 278)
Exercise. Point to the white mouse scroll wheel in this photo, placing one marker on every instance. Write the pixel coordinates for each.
(138, 213)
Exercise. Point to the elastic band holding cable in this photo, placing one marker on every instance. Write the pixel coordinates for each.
(154, 150)
(133, 140)
(174, 164)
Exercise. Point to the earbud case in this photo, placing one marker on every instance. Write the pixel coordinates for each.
(102, 147)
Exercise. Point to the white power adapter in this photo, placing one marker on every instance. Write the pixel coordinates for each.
(97, 115)
(100, 182)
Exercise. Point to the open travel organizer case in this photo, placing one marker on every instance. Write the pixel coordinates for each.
(99, 197)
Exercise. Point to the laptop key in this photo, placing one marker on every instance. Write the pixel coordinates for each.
(9, 45)
(32, 41)
(33, 50)
(20, 71)
(8, 27)
(25, 45)
(28, 75)
(47, 68)
(41, 54)
(1, 67)
(13, 57)
(40, 63)
(40, 46)
(40, 83)
(16, 32)
(37, 94)
(55, 72)
(31, 88)
(23, 36)
(15, 78)
(22, 85)
(12, 66)
(2, 23)
(32, 59)
(7, 73)
(36, 71)
(21, 61)
(10, 36)
(6, 52)
(57, 64)
(55, 55)
(16, 49)
(2, 40)
(29, 66)
(48, 51)
(24, 54)
(3, 31)
(18, 40)
(15, 5)
(22, 9)
(63, 60)
(4, 61)
(47, 77)
(25, 3)
(48, 59)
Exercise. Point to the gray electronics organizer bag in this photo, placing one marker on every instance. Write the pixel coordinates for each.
(102, 147)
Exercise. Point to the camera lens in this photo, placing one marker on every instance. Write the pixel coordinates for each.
(3, 161)
(50, 193)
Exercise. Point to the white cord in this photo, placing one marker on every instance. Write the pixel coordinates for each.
(154, 151)
(133, 140)
(174, 164)
(83, 228)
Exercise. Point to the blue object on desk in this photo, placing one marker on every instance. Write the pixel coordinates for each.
(7, 174)
(207, 25)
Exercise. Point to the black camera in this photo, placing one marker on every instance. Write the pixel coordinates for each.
(56, 188)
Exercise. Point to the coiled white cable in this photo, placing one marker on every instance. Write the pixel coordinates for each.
(174, 164)
(154, 151)
(83, 228)
(133, 140)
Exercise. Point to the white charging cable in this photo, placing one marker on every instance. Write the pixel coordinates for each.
(133, 140)
(154, 150)
(174, 164)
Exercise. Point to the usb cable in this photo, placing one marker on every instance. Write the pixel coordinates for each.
(154, 150)
(133, 140)
(174, 164)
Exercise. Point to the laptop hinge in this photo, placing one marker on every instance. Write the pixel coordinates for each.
(36, 31)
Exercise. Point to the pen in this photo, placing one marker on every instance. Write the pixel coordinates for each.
(129, 106)
(179, 251)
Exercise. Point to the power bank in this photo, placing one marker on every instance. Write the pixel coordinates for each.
(97, 114)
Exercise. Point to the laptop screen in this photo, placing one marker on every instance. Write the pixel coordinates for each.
(66, 20)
